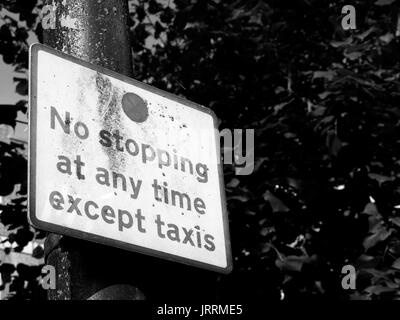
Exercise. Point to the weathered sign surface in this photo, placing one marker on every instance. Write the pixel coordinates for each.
(118, 162)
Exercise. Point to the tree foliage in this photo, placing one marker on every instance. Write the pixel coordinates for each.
(23, 279)
(323, 101)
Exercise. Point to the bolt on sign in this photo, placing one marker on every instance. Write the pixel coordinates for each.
(115, 161)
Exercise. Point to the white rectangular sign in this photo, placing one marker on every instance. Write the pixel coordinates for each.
(115, 161)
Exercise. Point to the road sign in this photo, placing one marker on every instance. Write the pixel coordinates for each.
(115, 161)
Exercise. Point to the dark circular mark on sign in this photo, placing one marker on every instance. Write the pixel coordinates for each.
(135, 107)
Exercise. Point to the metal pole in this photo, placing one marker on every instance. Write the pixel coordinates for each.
(95, 31)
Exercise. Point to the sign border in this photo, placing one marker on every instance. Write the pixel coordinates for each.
(34, 221)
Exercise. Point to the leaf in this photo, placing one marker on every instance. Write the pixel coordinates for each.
(366, 261)
(365, 34)
(353, 55)
(276, 204)
(141, 13)
(365, 258)
(6, 269)
(381, 235)
(328, 75)
(358, 296)
(384, 2)
(291, 263)
(279, 90)
(233, 183)
(289, 135)
(378, 274)
(380, 178)
(265, 231)
(167, 15)
(22, 87)
(334, 144)
(21, 105)
(396, 264)
(158, 30)
(250, 213)
(280, 106)
(338, 44)
(324, 95)
(370, 209)
(396, 221)
(8, 115)
(378, 289)
(375, 223)
(154, 7)
(387, 38)
(240, 198)
(266, 247)
(314, 109)
(38, 252)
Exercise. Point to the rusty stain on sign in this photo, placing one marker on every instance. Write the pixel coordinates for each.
(109, 113)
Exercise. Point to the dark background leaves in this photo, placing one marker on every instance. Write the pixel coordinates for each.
(324, 106)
